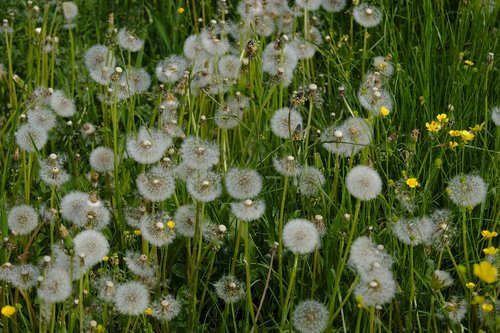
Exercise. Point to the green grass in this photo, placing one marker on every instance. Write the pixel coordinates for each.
(430, 44)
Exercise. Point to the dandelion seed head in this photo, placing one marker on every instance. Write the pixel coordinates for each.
(99, 56)
(441, 279)
(92, 244)
(287, 166)
(40, 117)
(131, 298)
(153, 229)
(55, 286)
(213, 42)
(363, 183)
(308, 4)
(171, 69)
(156, 185)
(199, 154)
(311, 180)
(102, 159)
(383, 66)
(52, 172)
(129, 41)
(310, 316)
(61, 104)
(334, 6)
(139, 264)
(22, 219)
(367, 15)
(495, 115)
(30, 138)
(185, 220)
(467, 190)
(248, 210)
(204, 186)
(300, 236)
(70, 10)
(414, 231)
(243, 183)
(365, 256)
(149, 146)
(229, 66)
(376, 289)
(229, 289)
(194, 50)
(284, 121)
(24, 276)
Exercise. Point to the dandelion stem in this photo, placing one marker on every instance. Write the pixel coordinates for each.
(248, 276)
(280, 237)
(289, 293)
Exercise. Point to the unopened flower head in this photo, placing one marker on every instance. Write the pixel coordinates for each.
(367, 15)
(363, 183)
(248, 210)
(166, 308)
(156, 185)
(311, 180)
(229, 289)
(22, 219)
(284, 122)
(204, 186)
(131, 298)
(171, 69)
(102, 159)
(310, 316)
(243, 183)
(300, 236)
(149, 146)
(129, 41)
(467, 190)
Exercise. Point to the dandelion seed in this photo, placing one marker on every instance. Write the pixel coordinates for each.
(467, 190)
(213, 42)
(363, 183)
(24, 276)
(139, 264)
(92, 245)
(204, 186)
(102, 159)
(171, 69)
(275, 59)
(199, 154)
(376, 289)
(365, 256)
(284, 121)
(243, 183)
(154, 230)
(414, 231)
(194, 50)
(310, 316)
(300, 236)
(229, 66)
(185, 219)
(131, 298)
(248, 210)
(106, 289)
(166, 309)
(129, 41)
(22, 219)
(367, 15)
(311, 180)
(62, 105)
(287, 166)
(99, 56)
(156, 185)
(138, 80)
(455, 309)
(443, 228)
(42, 118)
(56, 286)
(149, 146)
(102, 75)
(334, 6)
(52, 172)
(229, 289)
(30, 138)
(441, 279)
(495, 115)
(357, 134)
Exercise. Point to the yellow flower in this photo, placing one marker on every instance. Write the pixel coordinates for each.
(489, 234)
(171, 224)
(477, 128)
(8, 311)
(433, 126)
(486, 271)
(180, 10)
(487, 307)
(453, 144)
(100, 328)
(468, 63)
(466, 135)
(454, 133)
(477, 299)
(148, 311)
(105, 258)
(137, 232)
(442, 118)
(384, 111)
(470, 285)
(490, 250)
(412, 182)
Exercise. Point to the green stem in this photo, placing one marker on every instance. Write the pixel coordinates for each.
(289, 293)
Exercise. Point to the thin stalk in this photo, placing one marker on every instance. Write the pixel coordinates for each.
(280, 236)
(248, 276)
(289, 293)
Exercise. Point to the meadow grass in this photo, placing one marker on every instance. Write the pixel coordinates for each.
(160, 203)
